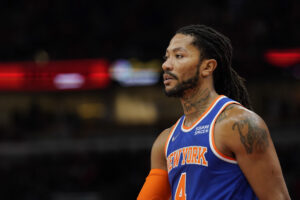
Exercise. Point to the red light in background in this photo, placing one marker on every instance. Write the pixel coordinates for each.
(283, 58)
(54, 75)
(11, 76)
(99, 75)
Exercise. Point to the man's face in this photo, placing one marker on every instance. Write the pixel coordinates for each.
(181, 67)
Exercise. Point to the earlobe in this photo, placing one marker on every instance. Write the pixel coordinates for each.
(209, 67)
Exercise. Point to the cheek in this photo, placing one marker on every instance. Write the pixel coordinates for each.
(186, 68)
(188, 73)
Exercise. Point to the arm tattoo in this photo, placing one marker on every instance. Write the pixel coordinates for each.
(252, 137)
(224, 113)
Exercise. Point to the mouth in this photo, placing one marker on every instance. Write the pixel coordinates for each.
(168, 78)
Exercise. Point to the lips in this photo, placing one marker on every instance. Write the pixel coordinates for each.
(167, 77)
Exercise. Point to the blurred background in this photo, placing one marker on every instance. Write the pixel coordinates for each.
(81, 94)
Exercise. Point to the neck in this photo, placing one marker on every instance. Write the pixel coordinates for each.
(196, 101)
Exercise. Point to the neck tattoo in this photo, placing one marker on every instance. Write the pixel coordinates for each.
(196, 104)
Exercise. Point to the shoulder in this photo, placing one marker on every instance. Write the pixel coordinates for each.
(241, 128)
(161, 139)
(235, 114)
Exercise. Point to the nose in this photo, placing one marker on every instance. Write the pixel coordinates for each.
(167, 65)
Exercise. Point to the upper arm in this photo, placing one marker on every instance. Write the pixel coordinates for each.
(248, 138)
(158, 159)
(157, 184)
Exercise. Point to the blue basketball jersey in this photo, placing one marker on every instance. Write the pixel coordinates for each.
(197, 170)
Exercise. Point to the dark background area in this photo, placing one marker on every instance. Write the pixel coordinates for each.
(49, 151)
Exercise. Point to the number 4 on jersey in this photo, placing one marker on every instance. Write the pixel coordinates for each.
(180, 190)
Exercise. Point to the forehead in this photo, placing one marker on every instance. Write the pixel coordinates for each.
(182, 42)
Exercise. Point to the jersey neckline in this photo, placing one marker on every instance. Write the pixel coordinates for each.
(206, 112)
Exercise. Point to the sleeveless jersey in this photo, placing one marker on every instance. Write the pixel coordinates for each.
(196, 169)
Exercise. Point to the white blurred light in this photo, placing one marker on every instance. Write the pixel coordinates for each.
(68, 81)
(123, 72)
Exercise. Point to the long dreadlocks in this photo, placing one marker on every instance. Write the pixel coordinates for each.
(213, 44)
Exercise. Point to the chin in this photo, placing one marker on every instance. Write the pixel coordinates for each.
(168, 88)
(173, 92)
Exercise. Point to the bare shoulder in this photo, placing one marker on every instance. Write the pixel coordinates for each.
(163, 136)
(244, 135)
(158, 150)
(243, 128)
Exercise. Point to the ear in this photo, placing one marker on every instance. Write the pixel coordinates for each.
(208, 67)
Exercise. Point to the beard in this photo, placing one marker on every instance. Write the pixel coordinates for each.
(181, 87)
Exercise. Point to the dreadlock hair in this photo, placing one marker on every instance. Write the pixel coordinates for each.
(213, 44)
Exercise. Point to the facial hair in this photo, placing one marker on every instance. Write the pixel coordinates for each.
(181, 87)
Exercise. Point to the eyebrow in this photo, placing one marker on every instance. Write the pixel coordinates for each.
(176, 49)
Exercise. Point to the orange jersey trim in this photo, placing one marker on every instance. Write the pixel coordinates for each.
(213, 130)
(203, 114)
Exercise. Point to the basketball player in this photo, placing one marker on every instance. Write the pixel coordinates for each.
(219, 149)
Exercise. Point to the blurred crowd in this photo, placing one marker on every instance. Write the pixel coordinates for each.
(142, 29)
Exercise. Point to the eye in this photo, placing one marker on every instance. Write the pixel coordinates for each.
(165, 57)
(179, 56)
